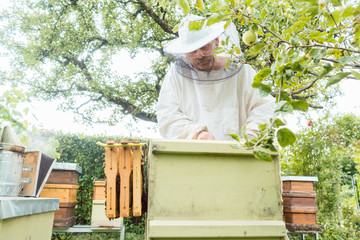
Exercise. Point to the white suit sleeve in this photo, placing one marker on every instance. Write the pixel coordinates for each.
(259, 109)
(172, 122)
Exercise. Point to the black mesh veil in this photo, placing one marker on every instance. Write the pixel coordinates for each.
(184, 68)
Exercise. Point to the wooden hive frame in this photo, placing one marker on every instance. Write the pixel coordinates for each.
(124, 181)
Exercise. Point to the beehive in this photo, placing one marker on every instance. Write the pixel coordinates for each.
(299, 203)
(63, 184)
(65, 216)
(99, 221)
(209, 189)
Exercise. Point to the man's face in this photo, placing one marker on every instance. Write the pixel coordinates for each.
(203, 58)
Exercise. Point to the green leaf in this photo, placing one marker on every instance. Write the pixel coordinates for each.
(278, 123)
(215, 18)
(199, 4)
(263, 14)
(243, 131)
(356, 74)
(195, 25)
(347, 59)
(317, 53)
(184, 4)
(176, 28)
(300, 105)
(261, 155)
(4, 113)
(234, 136)
(349, 11)
(269, 145)
(263, 127)
(337, 78)
(327, 68)
(256, 49)
(296, 66)
(227, 24)
(283, 107)
(336, 3)
(260, 76)
(285, 137)
(264, 90)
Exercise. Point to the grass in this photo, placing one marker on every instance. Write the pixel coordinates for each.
(95, 236)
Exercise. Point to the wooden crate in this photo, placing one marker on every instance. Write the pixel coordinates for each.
(64, 217)
(299, 206)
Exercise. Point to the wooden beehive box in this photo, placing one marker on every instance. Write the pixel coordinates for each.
(99, 190)
(64, 173)
(299, 205)
(63, 184)
(64, 217)
(210, 190)
(99, 221)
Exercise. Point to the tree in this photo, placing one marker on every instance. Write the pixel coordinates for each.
(9, 114)
(65, 49)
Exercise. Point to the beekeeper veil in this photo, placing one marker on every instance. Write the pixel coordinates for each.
(191, 40)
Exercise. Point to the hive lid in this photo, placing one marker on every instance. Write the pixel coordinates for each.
(20, 206)
(187, 146)
(67, 167)
(300, 178)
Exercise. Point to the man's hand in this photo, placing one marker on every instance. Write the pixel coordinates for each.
(205, 135)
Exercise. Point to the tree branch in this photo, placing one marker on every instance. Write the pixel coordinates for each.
(162, 23)
(304, 88)
(128, 108)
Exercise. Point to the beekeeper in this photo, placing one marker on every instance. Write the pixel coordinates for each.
(200, 98)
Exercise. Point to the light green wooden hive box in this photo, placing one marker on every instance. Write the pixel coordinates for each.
(209, 190)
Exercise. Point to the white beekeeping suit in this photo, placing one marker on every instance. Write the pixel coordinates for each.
(219, 101)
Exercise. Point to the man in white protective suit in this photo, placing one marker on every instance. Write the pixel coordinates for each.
(200, 98)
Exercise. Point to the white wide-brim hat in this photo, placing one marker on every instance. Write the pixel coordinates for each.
(191, 40)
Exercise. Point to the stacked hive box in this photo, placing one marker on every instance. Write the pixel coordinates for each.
(299, 204)
(99, 220)
(63, 184)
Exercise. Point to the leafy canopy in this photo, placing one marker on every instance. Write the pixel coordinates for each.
(65, 49)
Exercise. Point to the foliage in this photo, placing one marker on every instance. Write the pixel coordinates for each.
(83, 150)
(9, 113)
(76, 42)
(328, 149)
(305, 47)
